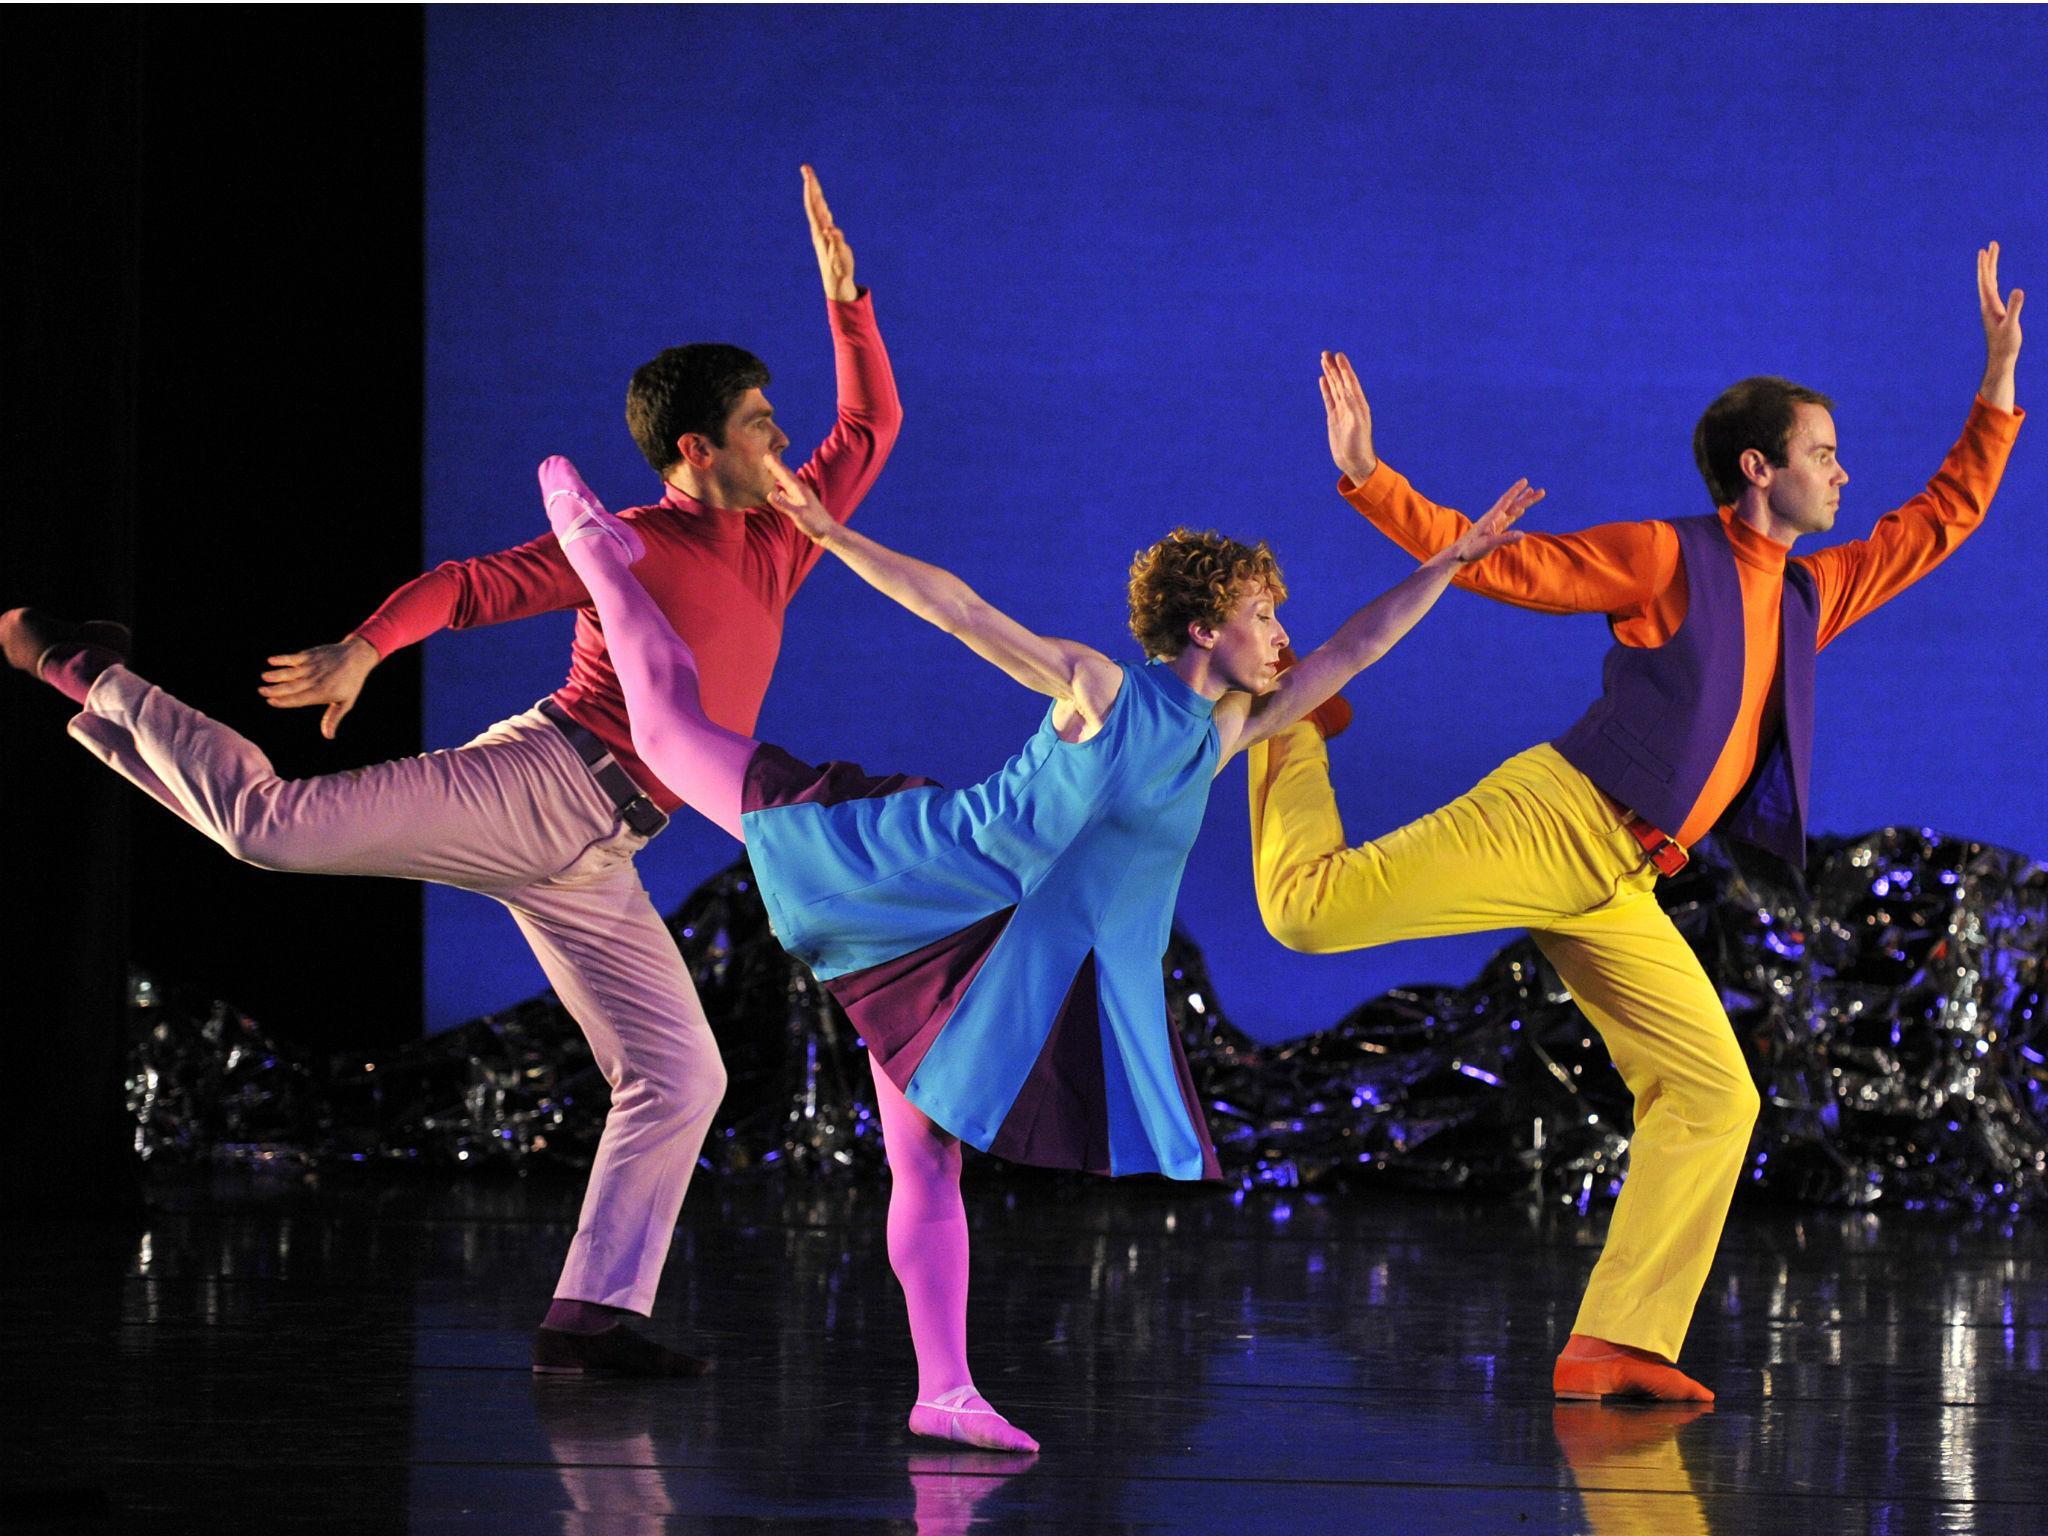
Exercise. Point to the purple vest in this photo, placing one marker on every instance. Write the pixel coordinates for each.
(1664, 714)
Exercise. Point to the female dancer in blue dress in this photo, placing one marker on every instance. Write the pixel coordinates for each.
(999, 947)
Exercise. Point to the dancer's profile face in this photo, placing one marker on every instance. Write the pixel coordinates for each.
(1246, 653)
(738, 468)
(1805, 491)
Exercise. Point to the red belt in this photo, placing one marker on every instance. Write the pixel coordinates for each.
(1665, 855)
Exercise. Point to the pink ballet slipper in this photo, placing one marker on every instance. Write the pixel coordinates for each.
(574, 511)
(963, 1415)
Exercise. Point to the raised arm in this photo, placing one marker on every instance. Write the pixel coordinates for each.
(828, 241)
(2001, 332)
(1617, 569)
(870, 415)
(1075, 674)
(1857, 578)
(1376, 628)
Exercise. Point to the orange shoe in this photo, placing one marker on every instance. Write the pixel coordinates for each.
(1333, 715)
(1594, 1368)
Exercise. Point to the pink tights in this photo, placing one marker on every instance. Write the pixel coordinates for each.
(927, 1238)
(928, 1251)
(706, 765)
(692, 754)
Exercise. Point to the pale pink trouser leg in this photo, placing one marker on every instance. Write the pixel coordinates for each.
(514, 815)
(927, 1238)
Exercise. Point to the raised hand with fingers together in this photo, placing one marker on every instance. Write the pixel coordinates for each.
(2001, 330)
(835, 256)
(1350, 418)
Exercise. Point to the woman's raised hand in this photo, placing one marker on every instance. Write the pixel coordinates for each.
(799, 503)
(1497, 528)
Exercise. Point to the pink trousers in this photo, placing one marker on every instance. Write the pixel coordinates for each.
(516, 816)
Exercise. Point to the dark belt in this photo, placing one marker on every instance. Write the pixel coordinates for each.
(1666, 855)
(631, 802)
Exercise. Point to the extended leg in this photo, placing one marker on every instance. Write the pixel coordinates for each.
(928, 1251)
(699, 759)
(1529, 842)
(510, 807)
(516, 815)
(1639, 982)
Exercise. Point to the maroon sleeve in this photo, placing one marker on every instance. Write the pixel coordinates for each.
(853, 453)
(515, 583)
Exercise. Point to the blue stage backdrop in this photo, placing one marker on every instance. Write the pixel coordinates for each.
(1105, 247)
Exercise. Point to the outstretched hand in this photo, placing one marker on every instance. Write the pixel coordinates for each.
(327, 674)
(794, 499)
(1349, 417)
(1496, 529)
(835, 256)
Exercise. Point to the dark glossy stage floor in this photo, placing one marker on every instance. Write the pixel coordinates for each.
(356, 1360)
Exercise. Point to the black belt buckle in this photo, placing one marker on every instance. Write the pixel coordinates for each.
(638, 812)
(643, 816)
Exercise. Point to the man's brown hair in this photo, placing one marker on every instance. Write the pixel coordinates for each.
(1192, 577)
(688, 389)
(1756, 413)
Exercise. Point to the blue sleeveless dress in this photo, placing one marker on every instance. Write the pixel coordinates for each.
(999, 947)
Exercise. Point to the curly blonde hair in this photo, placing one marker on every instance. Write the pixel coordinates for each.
(1194, 577)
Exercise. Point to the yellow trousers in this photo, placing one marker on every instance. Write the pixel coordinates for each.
(1535, 846)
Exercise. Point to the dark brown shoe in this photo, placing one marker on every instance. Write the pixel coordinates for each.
(26, 635)
(615, 1351)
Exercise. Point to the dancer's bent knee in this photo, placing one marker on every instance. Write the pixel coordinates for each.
(682, 1098)
(272, 843)
(1316, 907)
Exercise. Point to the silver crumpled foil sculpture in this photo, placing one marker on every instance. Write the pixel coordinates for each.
(1890, 1006)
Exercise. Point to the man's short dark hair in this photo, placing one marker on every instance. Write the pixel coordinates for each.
(688, 389)
(1757, 413)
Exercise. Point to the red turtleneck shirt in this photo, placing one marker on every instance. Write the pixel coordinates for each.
(722, 577)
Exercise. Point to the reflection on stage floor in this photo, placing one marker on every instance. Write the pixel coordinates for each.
(356, 1359)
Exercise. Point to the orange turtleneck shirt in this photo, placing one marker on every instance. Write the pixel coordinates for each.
(1632, 573)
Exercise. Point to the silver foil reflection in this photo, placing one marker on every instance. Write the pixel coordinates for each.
(516, 1089)
(1890, 1007)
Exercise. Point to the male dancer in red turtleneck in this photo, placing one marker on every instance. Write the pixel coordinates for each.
(545, 811)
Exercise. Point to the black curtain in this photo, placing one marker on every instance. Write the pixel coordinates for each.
(214, 354)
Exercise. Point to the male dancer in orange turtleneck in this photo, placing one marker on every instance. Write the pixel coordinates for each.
(1705, 722)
